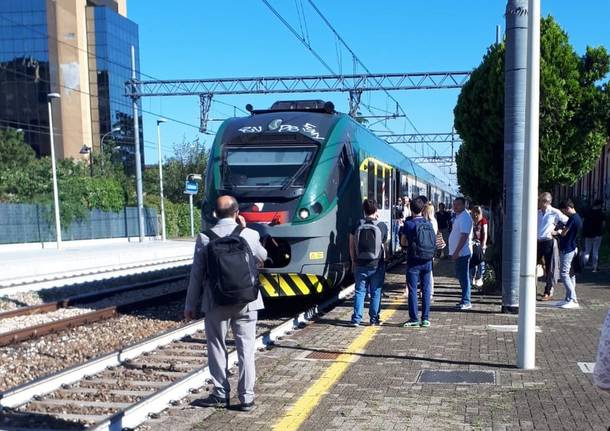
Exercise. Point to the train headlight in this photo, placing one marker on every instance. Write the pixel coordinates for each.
(303, 213)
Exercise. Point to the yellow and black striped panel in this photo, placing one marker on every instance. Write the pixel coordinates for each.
(275, 285)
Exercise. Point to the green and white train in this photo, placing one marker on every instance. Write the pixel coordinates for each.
(300, 171)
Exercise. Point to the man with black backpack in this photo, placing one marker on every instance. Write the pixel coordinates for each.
(418, 237)
(224, 286)
(366, 244)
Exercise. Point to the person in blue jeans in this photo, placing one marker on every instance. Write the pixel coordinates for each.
(419, 269)
(366, 246)
(460, 249)
(567, 252)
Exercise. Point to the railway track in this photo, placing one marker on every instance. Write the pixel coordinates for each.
(42, 329)
(124, 388)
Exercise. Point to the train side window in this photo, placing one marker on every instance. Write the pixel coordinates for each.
(371, 180)
(379, 185)
(386, 182)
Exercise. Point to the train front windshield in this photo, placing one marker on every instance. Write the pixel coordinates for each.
(267, 167)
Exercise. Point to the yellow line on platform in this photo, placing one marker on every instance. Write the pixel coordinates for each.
(301, 410)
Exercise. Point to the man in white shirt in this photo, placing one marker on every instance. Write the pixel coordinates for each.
(548, 219)
(460, 249)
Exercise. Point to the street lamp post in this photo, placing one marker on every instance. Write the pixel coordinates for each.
(114, 130)
(163, 233)
(50, 97)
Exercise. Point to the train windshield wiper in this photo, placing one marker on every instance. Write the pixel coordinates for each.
(296, 175)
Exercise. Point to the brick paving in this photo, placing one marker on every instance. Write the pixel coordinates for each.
(380, 389)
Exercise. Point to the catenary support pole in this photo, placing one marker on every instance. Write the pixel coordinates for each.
(526, 346)
(498, 34)
(136, 131)
(192, 219)
(50, 97)
(515, 60)
(163, 233)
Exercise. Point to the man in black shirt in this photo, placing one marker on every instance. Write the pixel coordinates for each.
(443, 218)
(593, 228)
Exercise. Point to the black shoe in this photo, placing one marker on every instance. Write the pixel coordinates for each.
(212, 401)
(246, 407)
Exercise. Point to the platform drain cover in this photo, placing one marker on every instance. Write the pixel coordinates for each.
(323, 355)
(457, 377)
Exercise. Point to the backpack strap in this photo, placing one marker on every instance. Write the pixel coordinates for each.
(210, 234)
(237, 231)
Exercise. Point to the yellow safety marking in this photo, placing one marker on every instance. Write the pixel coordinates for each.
(285, 286)
(267, 285)
(315, 283)
(316, 255)
(296, 278)
(301, 410)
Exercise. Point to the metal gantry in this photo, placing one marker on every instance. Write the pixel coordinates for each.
(421, 138)
(206, 89)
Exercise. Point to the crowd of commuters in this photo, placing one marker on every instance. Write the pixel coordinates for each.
(461, 235)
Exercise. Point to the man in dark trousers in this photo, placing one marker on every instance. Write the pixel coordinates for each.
(443, 218)
(240, 317)
(593, 230)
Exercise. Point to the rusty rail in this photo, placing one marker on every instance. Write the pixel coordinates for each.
(84, 298)
(82, 319)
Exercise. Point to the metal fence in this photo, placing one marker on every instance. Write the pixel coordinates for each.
(21, 223)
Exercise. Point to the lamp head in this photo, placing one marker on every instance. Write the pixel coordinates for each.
(85, 149)
(161, 120)
(53, 96)
(115, 129)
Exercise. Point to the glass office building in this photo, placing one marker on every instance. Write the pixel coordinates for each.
(88, 64)
(24, 70)
(110, 36)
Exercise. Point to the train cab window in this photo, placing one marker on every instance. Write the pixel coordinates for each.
(339, 174)
(371, 181)
(267, 167)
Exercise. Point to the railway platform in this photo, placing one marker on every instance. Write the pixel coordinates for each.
(458, 374)
(22, 266)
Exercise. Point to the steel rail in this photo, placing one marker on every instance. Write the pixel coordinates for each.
(139, 412)
(36, 331)
(84, 298)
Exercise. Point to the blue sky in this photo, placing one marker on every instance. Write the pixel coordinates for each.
(205, 39)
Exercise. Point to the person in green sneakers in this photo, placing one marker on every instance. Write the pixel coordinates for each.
(420, 239)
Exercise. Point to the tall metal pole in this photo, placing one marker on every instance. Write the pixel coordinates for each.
(514, 146)
(526, 346)
(163, 233)
(498, 34)
(192, 219)
(136, 129)
(50, 97)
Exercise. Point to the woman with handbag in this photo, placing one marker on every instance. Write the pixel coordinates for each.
(428, 214)
(480, 235)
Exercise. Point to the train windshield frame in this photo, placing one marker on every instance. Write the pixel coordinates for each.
(269, 167)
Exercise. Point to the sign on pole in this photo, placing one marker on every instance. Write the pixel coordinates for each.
(191, 187)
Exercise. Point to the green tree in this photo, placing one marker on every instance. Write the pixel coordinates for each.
(574, 115)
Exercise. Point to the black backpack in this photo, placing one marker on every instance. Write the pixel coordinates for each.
(231, 269)
(424, 245)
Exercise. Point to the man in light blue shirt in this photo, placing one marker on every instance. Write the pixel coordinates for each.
(460, 249)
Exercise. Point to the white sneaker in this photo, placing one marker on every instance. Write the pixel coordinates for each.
(570, 305)
(479, 282)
